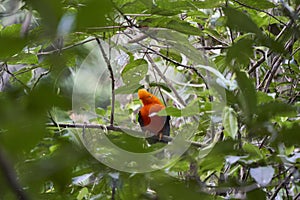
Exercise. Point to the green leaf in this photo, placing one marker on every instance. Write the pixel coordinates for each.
(135, 71)
(183, 27)
(94, 14)
(264, 98)
(256, 194)
(83, 193)
(247, 95)
(262, 4)
(239, 21)
(168, 187)
(254, 152)
(269, 110)
(214, 160)
(175, 112)
(137, 6)
(207, 3)
(50, 12)
(173, 24)
(161, 85)
(190, 110)
(230, 122)
(10, 41)
(128, 142)
(24, 75)
(289, 135)
(23, 58)
(128, 89)
(272, 44)
(170, 53)
(240, 52)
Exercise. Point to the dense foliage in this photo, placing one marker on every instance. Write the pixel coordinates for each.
(227, 70)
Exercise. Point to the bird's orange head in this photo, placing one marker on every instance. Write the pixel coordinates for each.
(148, 98)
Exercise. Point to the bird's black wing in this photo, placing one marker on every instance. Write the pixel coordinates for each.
(140, 120)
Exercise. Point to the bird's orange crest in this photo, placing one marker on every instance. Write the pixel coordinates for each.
(148, 98)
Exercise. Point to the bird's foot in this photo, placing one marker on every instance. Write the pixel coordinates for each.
(160, 136)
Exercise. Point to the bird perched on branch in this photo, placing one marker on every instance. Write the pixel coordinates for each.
(148, 118)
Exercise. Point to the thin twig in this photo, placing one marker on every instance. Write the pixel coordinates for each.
(212, 47)
(161, 55)
(166, 80)
(297, 196)
(11, 177)
(117, 129)
(276, 66)
(112, 81)
(14, 77)
(259, 10)
(262, 59)
(107, 27)
(282, 184)
(39, 78)
(65, 48)
(257, 64)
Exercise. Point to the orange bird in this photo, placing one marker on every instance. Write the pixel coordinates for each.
(148, 118)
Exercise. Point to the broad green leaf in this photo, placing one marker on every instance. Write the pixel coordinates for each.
(83, 194)
(23, 58)
(254, 152)
(137, 6)
(128, 142)
(24, 75)
(168, 187)
(94, 14)
(165, 12)
(170, 53)
(289, 135)
(135, 71)
(271, 109)
(10, 41)
(160, 85)
(247, 95)
(262, 4)
(50, 12)
(13, 31)
(214, 160)
(240, 52)
(183, 27)
(190, 110)
(256, 194)
(173, 24)
(272, 44)
(263, 98)
(29, 113)
(133, 187)
(230, 122)
(207, 3)
(239, 21)
(128, 89)
(193, 108)
(175, 112)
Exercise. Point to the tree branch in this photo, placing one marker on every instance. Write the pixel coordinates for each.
(112, 81)
(166, 80)
(117, 129)
(5, 67)
(11, 177)
(259, 10)
(65, 48)
(282, 184)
